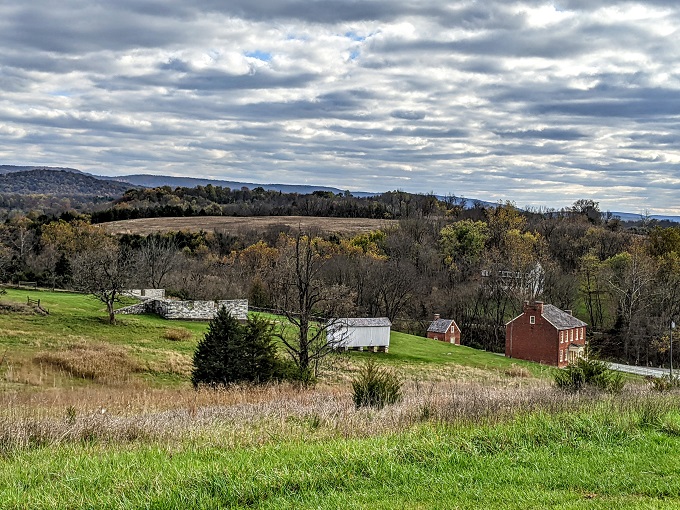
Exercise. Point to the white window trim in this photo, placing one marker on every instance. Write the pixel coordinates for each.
(532, 319)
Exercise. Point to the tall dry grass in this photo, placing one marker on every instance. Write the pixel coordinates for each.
(98, 362)
(244, 415)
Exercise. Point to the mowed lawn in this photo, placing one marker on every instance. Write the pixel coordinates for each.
(41, 350)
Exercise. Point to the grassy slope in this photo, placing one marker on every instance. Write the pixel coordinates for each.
(580, 459)
(79, 319)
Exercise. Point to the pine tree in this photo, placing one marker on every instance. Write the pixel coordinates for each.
(259, 351)
(231, 352)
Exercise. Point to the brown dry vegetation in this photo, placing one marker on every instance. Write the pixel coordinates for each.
(517, 371)
(103, 363)
(178, 334)
(245, 415)
(16, 308)
(232, 225)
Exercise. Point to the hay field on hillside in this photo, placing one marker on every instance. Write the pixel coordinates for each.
(145, 226)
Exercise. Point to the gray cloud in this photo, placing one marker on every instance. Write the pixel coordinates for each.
(495, 100)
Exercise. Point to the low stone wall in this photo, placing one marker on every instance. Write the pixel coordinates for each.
(201, 310)
(145, 293)
(188, 310)
(137, 309)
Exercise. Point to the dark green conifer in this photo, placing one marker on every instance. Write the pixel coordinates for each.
(231, 352)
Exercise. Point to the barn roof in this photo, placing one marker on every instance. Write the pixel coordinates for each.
(440, 326)
(561, 319)
(364, 322)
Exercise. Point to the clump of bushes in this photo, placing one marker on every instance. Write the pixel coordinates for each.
(177, 334)
(15, 308)
(589, 373)
(517, 371)
(375, 386)
(665, 383)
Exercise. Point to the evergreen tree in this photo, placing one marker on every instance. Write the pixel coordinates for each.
(62, 271)
(231, 352)
(259, 351)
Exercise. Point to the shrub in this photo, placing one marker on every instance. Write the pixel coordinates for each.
(589, 372)
(375, 386)
(177, 334)
(517, 371)
(665, 383)
(231, 352)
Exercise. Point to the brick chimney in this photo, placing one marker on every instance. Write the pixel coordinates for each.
(535, 307)
(436, 316)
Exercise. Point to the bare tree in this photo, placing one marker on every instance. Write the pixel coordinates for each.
(105, 273)
(158, 257)
(630, 278)
(307, 303)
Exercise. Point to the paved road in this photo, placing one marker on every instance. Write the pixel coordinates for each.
(650, 371)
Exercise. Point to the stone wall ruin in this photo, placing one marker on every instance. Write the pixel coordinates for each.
(187, 310)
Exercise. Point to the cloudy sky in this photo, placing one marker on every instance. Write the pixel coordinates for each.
(540, 103)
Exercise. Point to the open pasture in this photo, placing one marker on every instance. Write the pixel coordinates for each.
(232, 225)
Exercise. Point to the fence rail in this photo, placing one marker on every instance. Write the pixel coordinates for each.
(28, 284)
(36, 304)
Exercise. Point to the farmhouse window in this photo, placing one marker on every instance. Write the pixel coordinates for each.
(561, 355)
(561, 336)
(532, 319)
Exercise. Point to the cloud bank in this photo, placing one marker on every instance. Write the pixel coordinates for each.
(540, 103)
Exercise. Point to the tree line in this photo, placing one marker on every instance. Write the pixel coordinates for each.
(475, 265)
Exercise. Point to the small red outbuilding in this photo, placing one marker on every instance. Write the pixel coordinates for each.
(445, 330)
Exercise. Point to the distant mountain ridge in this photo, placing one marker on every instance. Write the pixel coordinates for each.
(57, 181)
(8, 169)
(154, 181)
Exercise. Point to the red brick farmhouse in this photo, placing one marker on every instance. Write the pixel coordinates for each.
(545, 334)
(445, 330)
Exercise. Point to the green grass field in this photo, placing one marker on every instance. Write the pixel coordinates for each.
(537, 461)
(101, 416)
(79, 322)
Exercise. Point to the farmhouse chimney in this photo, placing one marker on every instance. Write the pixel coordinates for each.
(536, 307)
(436, 316)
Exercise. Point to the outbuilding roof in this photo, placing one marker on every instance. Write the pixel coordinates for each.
(440, 326)
(561, 319)
(364, 322)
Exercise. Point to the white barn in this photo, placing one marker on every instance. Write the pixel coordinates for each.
(360, 333)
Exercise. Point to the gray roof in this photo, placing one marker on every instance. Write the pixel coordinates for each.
(440, 326)
(366, 322)
(560, 319)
